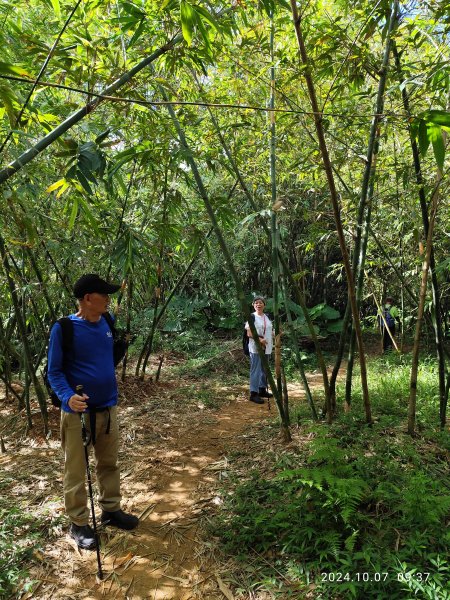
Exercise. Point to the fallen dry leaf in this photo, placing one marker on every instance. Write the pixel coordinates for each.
(121, 561)
(224, 589)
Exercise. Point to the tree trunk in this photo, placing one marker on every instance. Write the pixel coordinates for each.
(335, 204)
(367, 189)
(422, 298)
(437, 322)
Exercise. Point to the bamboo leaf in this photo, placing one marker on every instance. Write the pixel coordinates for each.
(55, 186)
(205, 36)
(84, 182)
(424, 141)
(207, 16)
(9, 69)
(32, 234)
(268, 6)
(8, 98)
(437, 117)
(414, 127)
(73, 213)
(187, 21)
(437, 140)
(62, 189)
(87, 172)
(87, 213)
(99, 139)
(133, 10)
(137, 34)
(56, 8)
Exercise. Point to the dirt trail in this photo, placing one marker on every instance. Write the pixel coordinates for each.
(177, 565)
(170, 461)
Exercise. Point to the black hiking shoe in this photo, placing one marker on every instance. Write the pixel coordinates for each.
(83, 535)
(264, 393)
(255, 398)
(119, 519)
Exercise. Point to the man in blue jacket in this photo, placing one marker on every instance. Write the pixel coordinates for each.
(90, 364)
(387, 324)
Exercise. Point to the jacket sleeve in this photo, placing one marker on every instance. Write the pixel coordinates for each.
(56, 375)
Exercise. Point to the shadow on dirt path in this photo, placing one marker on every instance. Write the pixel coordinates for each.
(172, 453)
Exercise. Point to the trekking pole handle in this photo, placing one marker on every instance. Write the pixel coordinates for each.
(79, 391)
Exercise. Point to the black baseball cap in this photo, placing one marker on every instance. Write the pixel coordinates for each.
(92, 283)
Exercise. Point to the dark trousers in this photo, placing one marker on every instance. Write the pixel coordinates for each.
(387, 341)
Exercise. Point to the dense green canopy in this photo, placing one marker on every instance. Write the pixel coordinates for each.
(95, 175)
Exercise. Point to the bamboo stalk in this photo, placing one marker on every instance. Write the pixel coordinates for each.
(437, 322)
(284, 266)
(130, 286)
(239, 289)
(157, 295)
(335, 204)
(367, 190)
(168, 300)
(422, 298)
(273, 215)
(298, 357)
(22, 329)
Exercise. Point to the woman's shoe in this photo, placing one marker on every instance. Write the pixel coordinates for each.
(255, 398)
(264, 393)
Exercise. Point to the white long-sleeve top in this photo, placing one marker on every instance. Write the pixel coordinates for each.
(263, 326)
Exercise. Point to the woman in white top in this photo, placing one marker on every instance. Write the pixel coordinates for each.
(263, 326)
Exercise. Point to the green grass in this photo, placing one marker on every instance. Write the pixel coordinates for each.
(358, 512)
(20, 536)
(24, 529)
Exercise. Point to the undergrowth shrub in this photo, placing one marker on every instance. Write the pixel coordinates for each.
(19, 535)
(361, 512)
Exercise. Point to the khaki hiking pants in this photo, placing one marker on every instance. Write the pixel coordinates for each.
(105, 464)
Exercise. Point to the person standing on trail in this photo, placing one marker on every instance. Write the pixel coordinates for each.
(90, 364)
(263, 326)
(387, 323)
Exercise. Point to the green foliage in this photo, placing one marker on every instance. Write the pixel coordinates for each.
(429, 127)
(19, 536)
(186, 313)
(368, 505)
(325, 318)
(194, 16)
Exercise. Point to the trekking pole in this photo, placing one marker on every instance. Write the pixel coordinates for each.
(86, 440)
(383, 320)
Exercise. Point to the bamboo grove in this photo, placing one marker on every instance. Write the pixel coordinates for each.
(298, 148)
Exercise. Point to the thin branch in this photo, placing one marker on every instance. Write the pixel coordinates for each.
(197, 103)
(78, 115)
(41, 73)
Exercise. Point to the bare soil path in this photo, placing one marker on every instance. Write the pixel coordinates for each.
(175, 440)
